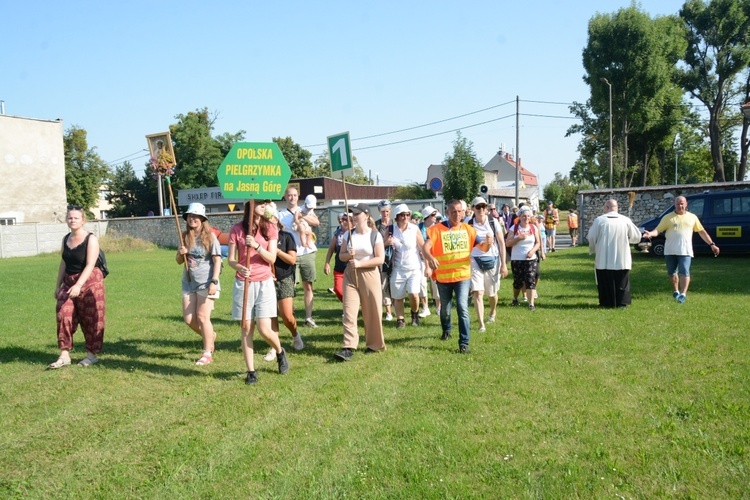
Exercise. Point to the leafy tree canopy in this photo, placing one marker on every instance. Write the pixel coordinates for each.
(462, 171)
(197, 153)
(413, 191)
(323, 169)
(85, 171)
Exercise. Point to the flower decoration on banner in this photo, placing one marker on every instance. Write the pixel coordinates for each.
(161, 166)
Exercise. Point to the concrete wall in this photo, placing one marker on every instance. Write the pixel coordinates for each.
(648, 202)
(32, 168)
(32, 239)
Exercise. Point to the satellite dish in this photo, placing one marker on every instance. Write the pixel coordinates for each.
(483, 189)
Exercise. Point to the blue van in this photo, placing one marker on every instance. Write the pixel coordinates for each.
(724, 214)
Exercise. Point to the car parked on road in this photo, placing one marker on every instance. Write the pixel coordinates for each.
(724, 214)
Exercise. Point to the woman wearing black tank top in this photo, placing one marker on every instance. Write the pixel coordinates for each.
(79, 292)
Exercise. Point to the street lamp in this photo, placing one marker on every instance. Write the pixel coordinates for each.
(676, 160)
(610, 130)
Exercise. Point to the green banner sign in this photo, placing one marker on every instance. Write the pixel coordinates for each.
(254, 170)
(340, 151)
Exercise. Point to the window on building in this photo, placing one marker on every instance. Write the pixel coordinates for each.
(7, 221)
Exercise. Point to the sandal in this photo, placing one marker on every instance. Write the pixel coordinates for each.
(59, 363)
(204, 360)
(88, 361)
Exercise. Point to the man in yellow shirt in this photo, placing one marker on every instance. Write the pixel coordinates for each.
(678, 228)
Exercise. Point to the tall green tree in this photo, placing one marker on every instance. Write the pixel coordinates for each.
(297, 157)
(197, 152)
(129, 195)
(85, 171)
(718, 50)
(462, 171)
(636, 55)
(563, 192)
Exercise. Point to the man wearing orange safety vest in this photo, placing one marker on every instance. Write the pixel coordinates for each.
(447, 254)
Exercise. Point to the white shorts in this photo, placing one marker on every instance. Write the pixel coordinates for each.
(423, 285)
(484, 281)
(404, 283)
(261, 299)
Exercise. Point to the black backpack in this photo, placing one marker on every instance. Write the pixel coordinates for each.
(388, 261)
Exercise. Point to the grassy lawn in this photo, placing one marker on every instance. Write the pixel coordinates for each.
(569, 401)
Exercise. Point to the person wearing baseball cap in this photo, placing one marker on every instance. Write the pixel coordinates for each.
(385, 226)
(487, 267)
(362, 251)
(428, 219)
(551, 220)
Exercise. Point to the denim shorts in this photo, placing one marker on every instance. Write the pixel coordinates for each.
(678, 264)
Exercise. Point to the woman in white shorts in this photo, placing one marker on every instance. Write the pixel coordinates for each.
(258, 237)
(407, 271)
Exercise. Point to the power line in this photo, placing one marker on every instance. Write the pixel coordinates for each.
(432, 135)
(420, 126)
(128, 156)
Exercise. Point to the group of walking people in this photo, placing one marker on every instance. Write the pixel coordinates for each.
(378, 265)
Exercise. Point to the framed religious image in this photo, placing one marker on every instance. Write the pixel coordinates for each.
(160, 144)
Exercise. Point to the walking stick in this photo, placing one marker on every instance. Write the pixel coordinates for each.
(177, 221)
(351, 229)
(244, 323)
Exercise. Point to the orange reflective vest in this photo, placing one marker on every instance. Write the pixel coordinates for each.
(452, 247)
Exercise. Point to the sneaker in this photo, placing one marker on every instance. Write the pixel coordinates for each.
(491, 319)
(309, 322)
(282, 361)
(370, 351)
(681, 298)
(675, 294)
(482, 329)
(445, 336)
(424, 312)
(525, 299)
(389, 317)
(251, 379)
(463, 349)
(330, 290)
(514, 303)
(344, 354)
(400, 323)
(532, 307)
(414, 319)
(297, 343)
(271, 355)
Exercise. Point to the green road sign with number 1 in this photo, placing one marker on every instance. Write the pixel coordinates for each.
(340, 151)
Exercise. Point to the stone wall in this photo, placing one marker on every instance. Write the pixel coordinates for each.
(647, 202)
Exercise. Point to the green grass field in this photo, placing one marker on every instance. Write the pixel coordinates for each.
(568, 402)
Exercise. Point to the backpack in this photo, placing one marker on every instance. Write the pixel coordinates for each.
(101, 261)
(492, 225)
(388, 261)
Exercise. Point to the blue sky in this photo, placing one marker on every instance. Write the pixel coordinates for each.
(308, 70)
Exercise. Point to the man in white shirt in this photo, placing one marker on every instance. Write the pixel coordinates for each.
(305, 254)
(610, 238)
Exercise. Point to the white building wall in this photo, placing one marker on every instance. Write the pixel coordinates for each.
(32, 170)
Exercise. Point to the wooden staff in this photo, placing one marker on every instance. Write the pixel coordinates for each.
(351, 228)
(247, 265)
(177, 221)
